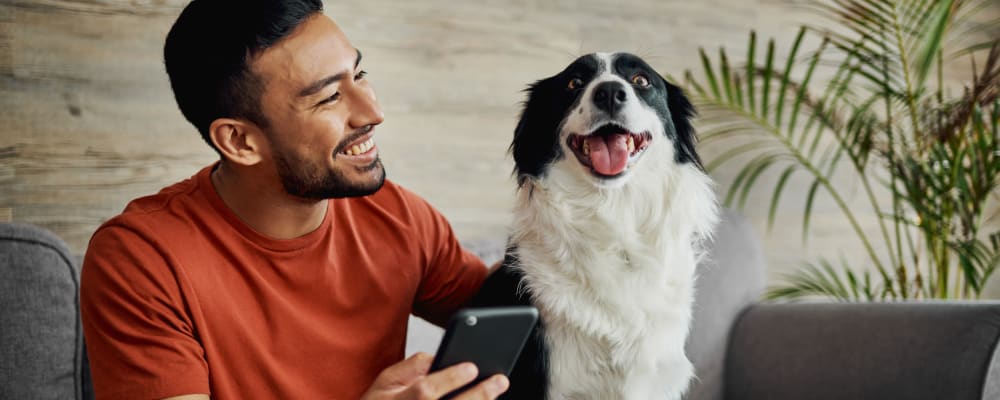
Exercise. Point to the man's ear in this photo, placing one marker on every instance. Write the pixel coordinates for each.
(239, 141)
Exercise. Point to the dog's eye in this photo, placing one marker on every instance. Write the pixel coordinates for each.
(640, 80)
(574, 84)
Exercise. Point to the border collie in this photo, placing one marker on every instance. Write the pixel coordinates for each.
(613, 208)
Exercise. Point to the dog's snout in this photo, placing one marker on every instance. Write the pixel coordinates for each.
(610, 96)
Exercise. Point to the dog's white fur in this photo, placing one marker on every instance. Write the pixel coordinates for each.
(611, 265)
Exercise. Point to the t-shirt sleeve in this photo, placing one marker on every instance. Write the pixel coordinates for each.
(139, 333)
(451, 274)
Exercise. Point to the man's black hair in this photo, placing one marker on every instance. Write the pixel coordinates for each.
(209, 50)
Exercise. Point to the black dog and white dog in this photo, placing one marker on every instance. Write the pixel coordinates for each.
(612, 211)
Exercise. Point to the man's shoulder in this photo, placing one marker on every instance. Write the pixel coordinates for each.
(157, 211)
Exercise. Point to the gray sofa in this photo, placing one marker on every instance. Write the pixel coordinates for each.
(741, 348)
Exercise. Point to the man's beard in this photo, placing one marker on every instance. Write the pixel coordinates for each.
(300, 179)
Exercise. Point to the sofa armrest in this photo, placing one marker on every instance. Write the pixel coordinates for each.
(929, 350)
(41, 343)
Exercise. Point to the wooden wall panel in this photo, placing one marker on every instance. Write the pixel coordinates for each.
(88, 122)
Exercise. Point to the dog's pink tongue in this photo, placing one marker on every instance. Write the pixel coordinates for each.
(610, 157)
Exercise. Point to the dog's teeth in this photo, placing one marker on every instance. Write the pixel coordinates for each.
(631, 144)
(586, 148)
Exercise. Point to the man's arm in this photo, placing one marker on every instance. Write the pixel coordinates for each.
(139, 335)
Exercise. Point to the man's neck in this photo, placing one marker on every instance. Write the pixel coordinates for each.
(265, 206)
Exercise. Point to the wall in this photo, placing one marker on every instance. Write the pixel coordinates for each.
(88, 122)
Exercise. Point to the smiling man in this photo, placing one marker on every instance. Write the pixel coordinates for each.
(287, 269)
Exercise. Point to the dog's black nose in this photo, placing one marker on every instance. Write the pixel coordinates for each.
(610, 96)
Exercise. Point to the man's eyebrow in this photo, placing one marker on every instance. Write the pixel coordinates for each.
(315, 87)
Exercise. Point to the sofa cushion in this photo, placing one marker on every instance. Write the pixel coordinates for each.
(41, 343)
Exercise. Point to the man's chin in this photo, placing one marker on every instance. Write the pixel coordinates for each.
(371, 180)
(366, 181)
(361, 189)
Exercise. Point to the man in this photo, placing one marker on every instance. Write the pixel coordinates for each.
(289, 268)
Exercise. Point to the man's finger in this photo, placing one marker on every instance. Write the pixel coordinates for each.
(407, 371)
(444, 381)
(486, 390)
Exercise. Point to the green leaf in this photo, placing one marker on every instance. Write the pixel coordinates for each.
(729, 154)
(768, 71)
(751, 73)
(757, 170)
(813, 280)
(808, 211)
(931, 42)
(709, 73)
(693, 83)
(752, 166)
(805, 84)
(776, 196)
(727, 82)
(785, 76)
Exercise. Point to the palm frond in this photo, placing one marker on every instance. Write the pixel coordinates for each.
(823, 280)
(882, 116)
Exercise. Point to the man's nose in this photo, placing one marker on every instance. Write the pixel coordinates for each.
(610, 96)
(366, 110)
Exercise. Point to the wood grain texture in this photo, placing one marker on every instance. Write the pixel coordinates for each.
(88, 121)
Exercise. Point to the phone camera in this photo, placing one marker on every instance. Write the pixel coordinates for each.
(471, 320)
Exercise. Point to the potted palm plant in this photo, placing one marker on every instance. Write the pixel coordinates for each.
(926, 160)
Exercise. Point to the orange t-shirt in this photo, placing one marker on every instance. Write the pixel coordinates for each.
(179, 296)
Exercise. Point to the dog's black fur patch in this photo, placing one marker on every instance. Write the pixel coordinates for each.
(529, 378)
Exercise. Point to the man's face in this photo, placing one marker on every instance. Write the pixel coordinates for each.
(321, 114)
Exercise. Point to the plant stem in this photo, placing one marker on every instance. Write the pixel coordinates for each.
(892, 176)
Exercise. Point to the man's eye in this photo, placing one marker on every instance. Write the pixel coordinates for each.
(330, 99)
(360, 75)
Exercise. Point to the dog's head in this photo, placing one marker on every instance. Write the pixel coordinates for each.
(601, 117)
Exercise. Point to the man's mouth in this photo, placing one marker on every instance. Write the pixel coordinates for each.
(360, 148)
(608, 150)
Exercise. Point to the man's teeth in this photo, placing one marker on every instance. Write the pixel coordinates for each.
(360, 148)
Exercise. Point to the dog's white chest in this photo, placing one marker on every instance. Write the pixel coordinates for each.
(617, 333)
(612, 274)
(617, 309)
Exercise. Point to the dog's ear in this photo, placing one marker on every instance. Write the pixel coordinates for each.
(681, 112)
(535, 143)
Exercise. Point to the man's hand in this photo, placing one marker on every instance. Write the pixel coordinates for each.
(408, 380)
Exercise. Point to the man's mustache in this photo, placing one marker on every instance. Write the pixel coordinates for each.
(357, 134)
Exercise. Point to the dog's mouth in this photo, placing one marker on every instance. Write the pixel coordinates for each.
(609, 150)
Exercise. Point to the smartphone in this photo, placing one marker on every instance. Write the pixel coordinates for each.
(491, 338)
